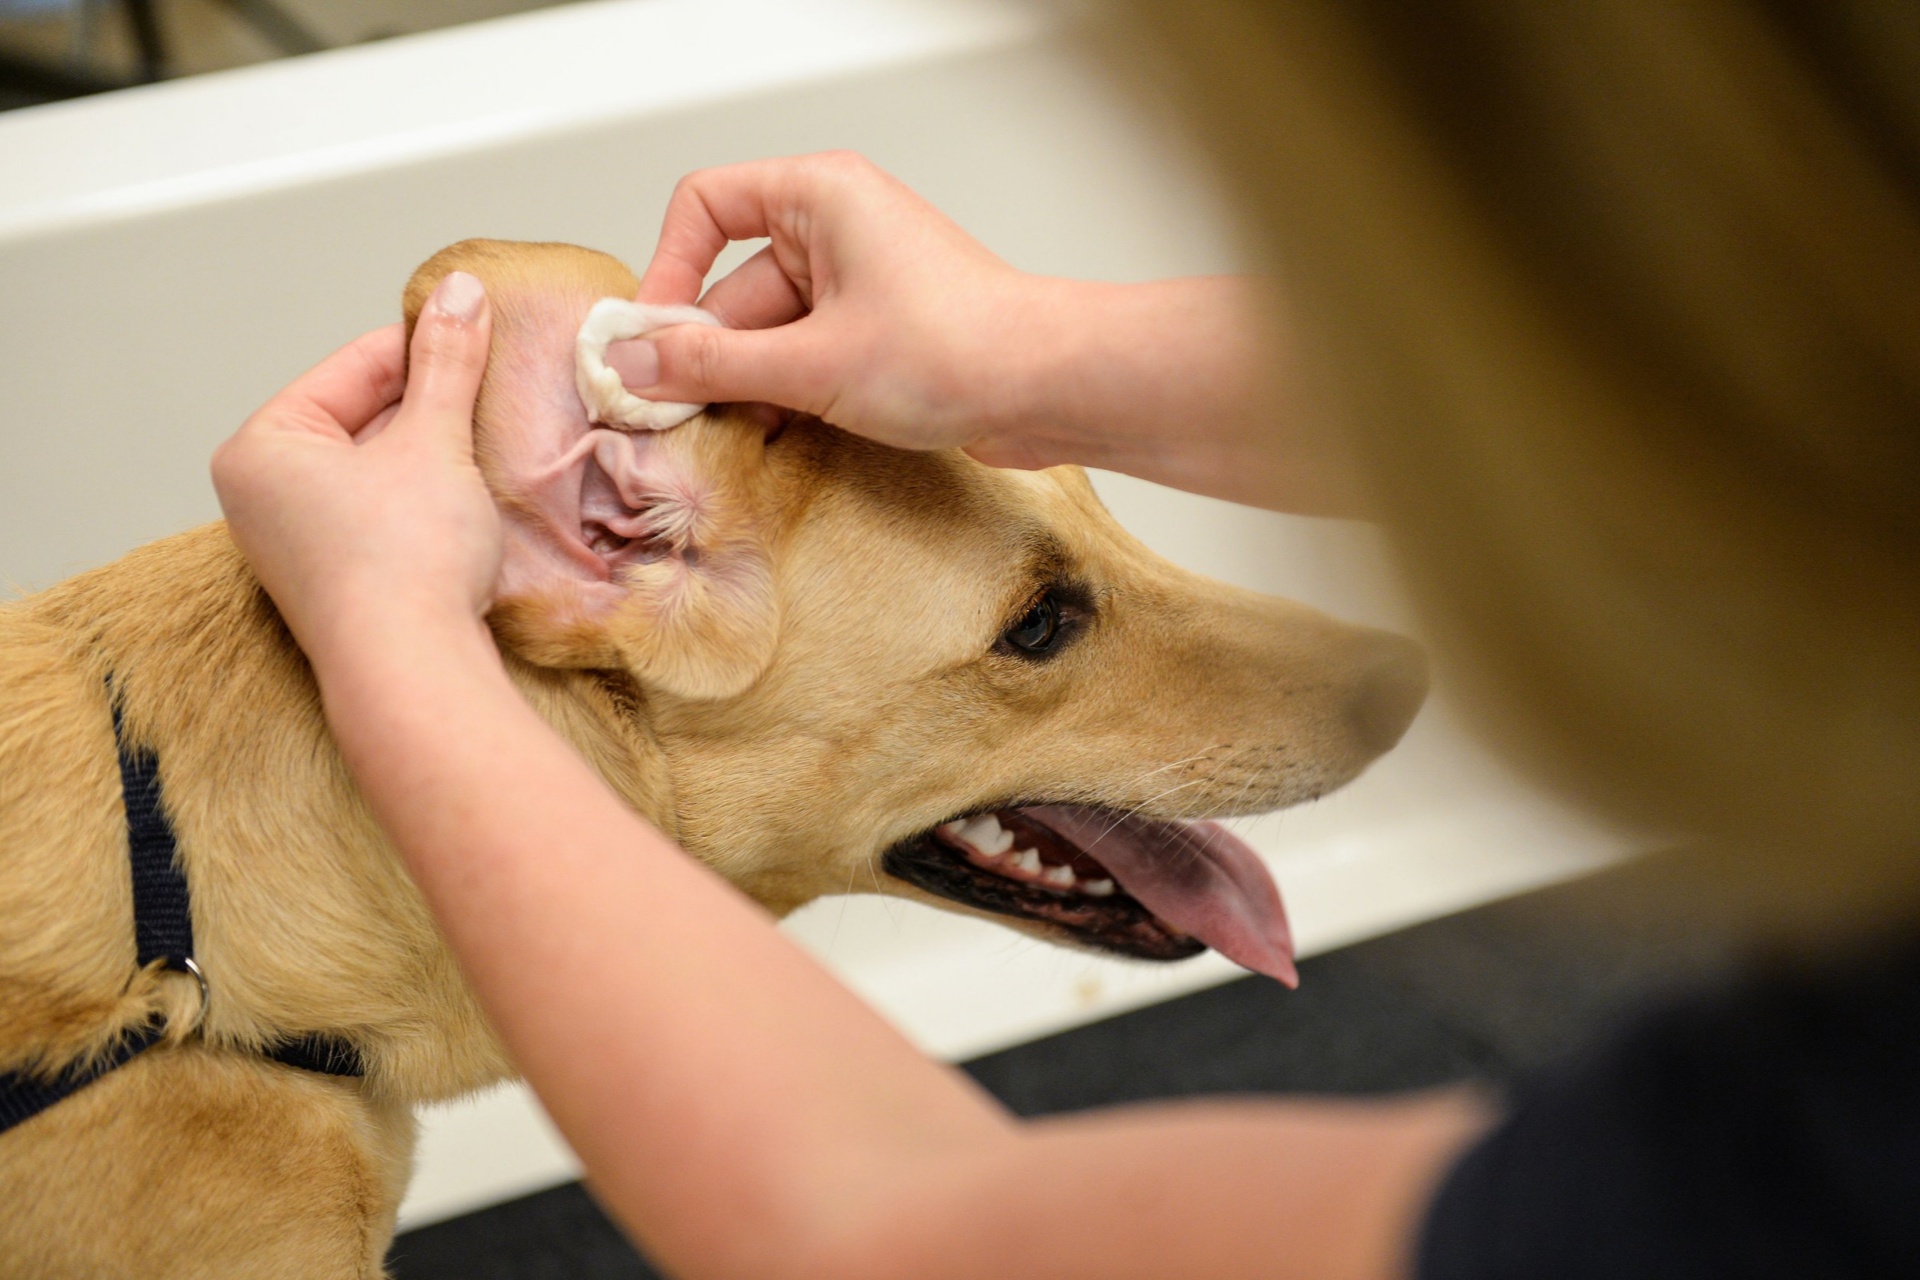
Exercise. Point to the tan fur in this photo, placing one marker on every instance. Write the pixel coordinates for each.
(818, 684)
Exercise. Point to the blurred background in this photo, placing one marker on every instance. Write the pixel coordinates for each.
(53, 49)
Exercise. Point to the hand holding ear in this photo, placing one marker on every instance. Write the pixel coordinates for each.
(354, 494)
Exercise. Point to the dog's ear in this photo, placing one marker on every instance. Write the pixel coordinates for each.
(648, 551)
(688, 518)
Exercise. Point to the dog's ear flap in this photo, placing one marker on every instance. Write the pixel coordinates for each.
(706, 633)
(697, 614)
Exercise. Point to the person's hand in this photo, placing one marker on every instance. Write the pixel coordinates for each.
(870, 308)
(354, 494)
(874, 311)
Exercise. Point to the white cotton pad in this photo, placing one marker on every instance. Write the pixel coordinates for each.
(606, 399)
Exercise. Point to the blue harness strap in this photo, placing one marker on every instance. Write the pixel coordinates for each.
(162, 931)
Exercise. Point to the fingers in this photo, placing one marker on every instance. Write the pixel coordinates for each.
(769, 351)
(636, 360)
(712, 207)
(758, 294)
(447, 361)
(362, 378)
(692, 236)
(377, 425)
(787, 366)
(343, 392)
(708, 208)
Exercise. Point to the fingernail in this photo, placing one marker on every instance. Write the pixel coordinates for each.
(637, 361)
(460, 296)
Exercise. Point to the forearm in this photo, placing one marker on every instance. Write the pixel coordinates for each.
(1286, 1190)
(707, 1072)
(1184, 382)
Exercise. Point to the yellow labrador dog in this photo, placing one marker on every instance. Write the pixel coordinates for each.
(814, 661)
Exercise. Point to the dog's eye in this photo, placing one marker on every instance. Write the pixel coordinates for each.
(1039, 629)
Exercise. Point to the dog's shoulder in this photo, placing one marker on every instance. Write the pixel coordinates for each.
(161, 631)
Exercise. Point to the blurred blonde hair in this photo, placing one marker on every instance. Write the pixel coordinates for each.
(1619, 307)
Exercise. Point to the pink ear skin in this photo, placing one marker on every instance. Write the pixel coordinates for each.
(646, 551)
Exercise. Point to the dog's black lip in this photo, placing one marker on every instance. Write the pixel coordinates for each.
(1117, 923)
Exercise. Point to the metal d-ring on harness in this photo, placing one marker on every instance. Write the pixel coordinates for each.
(163, 933)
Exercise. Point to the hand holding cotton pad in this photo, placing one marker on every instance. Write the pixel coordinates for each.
(601, 391)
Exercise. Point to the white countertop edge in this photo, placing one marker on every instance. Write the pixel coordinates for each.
(153, 148)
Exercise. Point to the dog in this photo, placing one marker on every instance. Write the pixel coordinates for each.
(814, 661)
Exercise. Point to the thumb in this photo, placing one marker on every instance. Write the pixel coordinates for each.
(787, 365)
(445, 362)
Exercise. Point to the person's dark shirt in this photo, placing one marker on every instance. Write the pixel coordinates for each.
(1772, 1129)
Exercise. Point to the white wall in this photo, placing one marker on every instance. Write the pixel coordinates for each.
(170, 256)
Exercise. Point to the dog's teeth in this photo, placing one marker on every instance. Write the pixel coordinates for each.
(987, 836)
(981, 832)
(1097, 888)
(1060, 876)
(951, 830)
(1028, 860)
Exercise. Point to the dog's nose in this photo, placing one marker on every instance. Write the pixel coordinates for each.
(1388, 694)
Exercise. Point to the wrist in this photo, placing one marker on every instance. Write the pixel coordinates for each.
(1186, 382)
(1053, 358)
(1132, 377)
(376, 636)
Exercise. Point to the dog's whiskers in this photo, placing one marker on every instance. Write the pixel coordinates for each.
(886, 903)
(1139, 778)
(846, 896)
(1135, 811)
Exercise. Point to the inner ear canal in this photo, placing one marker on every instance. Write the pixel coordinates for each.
(636, 508)
(610, 528)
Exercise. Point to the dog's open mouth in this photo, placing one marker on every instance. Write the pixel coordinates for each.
(1142, 887)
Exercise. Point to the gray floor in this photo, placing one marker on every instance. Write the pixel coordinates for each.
(1487, 995)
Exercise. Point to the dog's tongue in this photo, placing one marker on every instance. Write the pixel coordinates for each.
(1197, 877)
